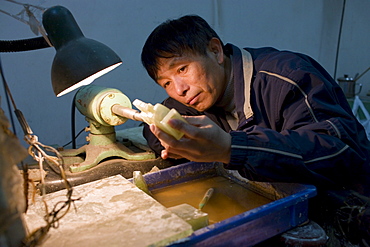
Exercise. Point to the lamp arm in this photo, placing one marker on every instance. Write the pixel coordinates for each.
(23, 44)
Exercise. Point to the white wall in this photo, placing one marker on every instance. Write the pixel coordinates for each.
(307, 26)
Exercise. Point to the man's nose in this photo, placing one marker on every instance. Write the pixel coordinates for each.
(181, 87)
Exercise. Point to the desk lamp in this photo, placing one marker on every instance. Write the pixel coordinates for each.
(78, 60)
(77, 63)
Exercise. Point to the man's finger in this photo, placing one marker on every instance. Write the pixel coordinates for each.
(196, 120)
(186, 128)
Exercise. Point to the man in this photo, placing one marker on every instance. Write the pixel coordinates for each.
(272, 115)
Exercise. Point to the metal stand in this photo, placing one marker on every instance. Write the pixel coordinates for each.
(102, 145)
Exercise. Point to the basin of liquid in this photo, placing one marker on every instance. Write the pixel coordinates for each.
(228, 199)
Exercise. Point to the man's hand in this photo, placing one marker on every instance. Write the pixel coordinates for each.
(203, 141)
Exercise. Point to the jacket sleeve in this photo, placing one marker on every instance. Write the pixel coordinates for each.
(302, 130)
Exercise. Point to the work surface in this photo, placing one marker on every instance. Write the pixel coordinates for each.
(111, 212)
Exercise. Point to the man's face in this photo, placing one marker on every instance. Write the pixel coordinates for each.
(194, 80)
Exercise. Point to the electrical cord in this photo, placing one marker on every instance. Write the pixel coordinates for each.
(73, 123)
(73, 141)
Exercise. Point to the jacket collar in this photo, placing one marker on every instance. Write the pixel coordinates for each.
(242, 63)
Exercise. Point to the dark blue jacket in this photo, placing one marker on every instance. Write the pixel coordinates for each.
(300, 127)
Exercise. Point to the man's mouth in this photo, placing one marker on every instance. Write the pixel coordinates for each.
(193, 100)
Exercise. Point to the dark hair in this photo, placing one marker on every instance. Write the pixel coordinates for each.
(189, 33)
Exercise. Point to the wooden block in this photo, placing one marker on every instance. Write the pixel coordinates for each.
(111, 212)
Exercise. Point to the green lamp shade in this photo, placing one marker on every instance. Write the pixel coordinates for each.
(78, 60)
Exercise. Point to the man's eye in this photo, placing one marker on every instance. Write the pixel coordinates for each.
(166, 84)
(182, 69)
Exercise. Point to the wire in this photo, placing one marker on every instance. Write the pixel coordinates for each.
(74, 139)
(6, 89)
(39, 152)
(339, 38)
(21, 119)
(73, 123)
(73, 126)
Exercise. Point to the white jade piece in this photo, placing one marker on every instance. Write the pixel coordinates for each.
(159, 115)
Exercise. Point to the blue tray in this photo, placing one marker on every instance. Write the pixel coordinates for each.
(248, 228)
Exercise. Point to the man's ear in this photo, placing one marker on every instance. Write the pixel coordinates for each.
(215, 47)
